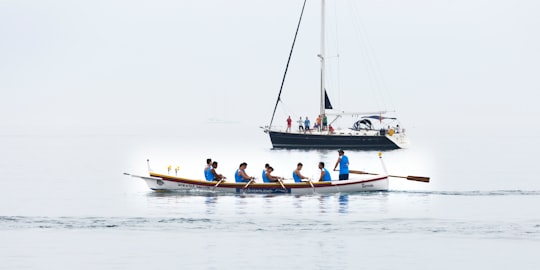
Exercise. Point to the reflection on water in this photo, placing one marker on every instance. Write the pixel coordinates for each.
(241, 204)
(343, 203)
(210, 202)
(267, 204)
(323, 203)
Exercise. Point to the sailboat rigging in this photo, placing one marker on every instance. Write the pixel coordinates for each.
(362, 135)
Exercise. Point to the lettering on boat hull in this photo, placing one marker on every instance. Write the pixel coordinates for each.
(263, 190)
(188, 186)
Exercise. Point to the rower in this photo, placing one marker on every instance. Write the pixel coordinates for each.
(216, 176)
(240, 174)
(207, 174)
(269, 177)
(325, 174)
(264, 178)
(297, 176)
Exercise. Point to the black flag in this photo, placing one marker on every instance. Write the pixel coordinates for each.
(327, 104)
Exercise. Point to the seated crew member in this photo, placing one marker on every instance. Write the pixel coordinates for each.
(207, 174)
(269, 177)
(263, 175)
(297, 176)
(325, 174)
(216, 176)
(240, 174)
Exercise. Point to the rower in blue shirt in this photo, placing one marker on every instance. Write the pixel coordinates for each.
(240, 174)
(343, 162)
(297, 176)
(269, 178)
(207, 174)
(216, 176)
(264, 178)
(325, 174)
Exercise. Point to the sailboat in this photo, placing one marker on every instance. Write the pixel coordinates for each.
(369, 131)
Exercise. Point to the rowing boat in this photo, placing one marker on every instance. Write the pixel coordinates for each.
(364, 182)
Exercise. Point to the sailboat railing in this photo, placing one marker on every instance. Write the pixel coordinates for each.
(356, 113)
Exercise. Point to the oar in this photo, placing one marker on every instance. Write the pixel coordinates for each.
(311, 184)
(219, 182)
(250, 181)
(281, 183)
(412, 178)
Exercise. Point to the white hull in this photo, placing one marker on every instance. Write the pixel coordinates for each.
(360, 183)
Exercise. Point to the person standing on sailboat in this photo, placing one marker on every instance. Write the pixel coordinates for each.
(343, 162)
(307, 124)
(300, 124)
(289, 123)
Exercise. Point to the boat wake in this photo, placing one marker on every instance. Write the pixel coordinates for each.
(529, 230)
(37, 222)
(472, 192)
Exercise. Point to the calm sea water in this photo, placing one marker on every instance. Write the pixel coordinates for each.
(65, 203)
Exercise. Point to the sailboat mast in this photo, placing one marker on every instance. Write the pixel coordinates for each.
(322, 56)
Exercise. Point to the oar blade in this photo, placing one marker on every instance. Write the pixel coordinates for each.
(412, 178)
(249, 182)
(418, 178)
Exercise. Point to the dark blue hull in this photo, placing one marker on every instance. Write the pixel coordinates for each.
(361, 142)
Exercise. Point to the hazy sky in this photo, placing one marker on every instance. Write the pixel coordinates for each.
(131, 63)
